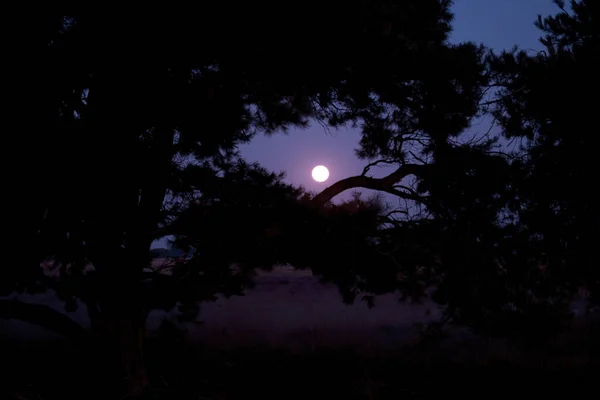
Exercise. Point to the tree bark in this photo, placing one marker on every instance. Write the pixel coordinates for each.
(130, 338)
(115, 306)
(121, 336)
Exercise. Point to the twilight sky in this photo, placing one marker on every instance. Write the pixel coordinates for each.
(499, 24)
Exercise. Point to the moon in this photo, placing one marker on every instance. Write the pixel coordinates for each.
(320, 173)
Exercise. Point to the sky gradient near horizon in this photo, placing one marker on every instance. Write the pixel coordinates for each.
(499, 24)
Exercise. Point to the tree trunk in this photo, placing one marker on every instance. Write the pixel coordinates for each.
(121, 337)
(130, 335)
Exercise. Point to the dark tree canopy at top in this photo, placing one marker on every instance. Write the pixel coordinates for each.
(125, 96)
(125, 116)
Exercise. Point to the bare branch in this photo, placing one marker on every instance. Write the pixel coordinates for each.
(385, 184)
(419, 159)
(397, 211)
(409, 190)
(44, 316)
(375, 163)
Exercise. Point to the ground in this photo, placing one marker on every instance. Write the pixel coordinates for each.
(287, 307)
(293, 338)
(181, 371)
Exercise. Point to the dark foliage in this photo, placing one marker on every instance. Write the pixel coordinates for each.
(130, 117)
(547, 104)
(130, 122)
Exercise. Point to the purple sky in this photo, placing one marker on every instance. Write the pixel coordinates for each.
(499, 24)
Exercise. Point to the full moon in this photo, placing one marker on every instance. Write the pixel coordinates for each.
(320, 173)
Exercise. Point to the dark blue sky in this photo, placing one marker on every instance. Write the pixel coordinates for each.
(499, 24)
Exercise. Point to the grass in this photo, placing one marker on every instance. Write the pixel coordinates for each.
(342, 373)
(180, 370)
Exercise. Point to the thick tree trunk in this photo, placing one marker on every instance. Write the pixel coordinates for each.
(121, 342)
(121, 336)
(130, 340)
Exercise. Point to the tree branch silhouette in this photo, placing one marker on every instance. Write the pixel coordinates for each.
(386, 184)
(45, 317)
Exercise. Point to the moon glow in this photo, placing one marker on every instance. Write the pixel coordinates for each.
(320, 173)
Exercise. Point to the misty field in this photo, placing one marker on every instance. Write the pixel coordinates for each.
(292, 337)
(285, 308)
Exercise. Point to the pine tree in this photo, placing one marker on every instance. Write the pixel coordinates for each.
(128, 115)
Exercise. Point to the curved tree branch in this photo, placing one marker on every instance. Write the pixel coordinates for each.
(376, 163)
(385, 184)
(45, 317)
